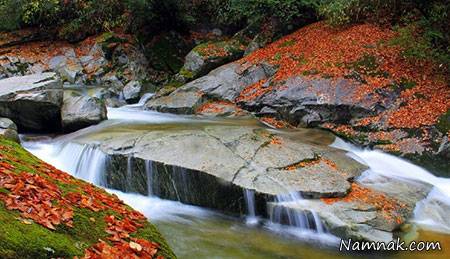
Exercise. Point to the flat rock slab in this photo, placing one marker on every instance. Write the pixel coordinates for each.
(249, 157)
(33, 102)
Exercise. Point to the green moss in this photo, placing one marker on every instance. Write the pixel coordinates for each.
(403, 84)
(443, 124)
(186, 73)
(277, 56)
(367, 65)
(89, 227)
(19, 240)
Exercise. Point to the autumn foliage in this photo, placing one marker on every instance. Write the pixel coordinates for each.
(319, 50)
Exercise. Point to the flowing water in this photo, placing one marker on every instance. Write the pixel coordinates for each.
(195, 232)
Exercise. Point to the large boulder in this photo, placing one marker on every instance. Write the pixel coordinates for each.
(224, 83)
(82, 111)
(8, 129)
(225, 160)
(33, 102)
(311, 101)
(132, 91)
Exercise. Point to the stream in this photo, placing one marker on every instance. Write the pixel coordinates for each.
(195, 232)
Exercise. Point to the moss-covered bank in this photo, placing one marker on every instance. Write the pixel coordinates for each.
(94, 217)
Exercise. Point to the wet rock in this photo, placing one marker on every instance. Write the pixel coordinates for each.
(68, 66)
(33, 102)
(82, 111)
(113, 83)
(8, 129)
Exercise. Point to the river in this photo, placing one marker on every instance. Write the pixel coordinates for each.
(195, 232)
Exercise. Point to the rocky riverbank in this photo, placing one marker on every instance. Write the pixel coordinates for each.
(364, 91)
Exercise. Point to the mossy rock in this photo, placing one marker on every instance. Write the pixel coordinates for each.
(23, 238)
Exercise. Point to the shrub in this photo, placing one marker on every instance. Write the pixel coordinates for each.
(10, 14)
(285, 11)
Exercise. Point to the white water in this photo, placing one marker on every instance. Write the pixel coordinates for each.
(306, 220)
(142, 101)
(149, 174)
(430, 213)
(249, 196)
(83, 161)
(162, 210)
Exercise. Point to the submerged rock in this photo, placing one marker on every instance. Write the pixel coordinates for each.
(33, 102)
(82, 111)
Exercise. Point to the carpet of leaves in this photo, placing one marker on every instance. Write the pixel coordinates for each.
(37, 197)
(319, 50)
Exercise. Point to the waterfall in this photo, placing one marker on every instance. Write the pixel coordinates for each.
(129, 173)
(433, 211)
(87, 162)
(91, 165)
(249, 196)
(149, 174)
(144, 99)
(305, 220)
